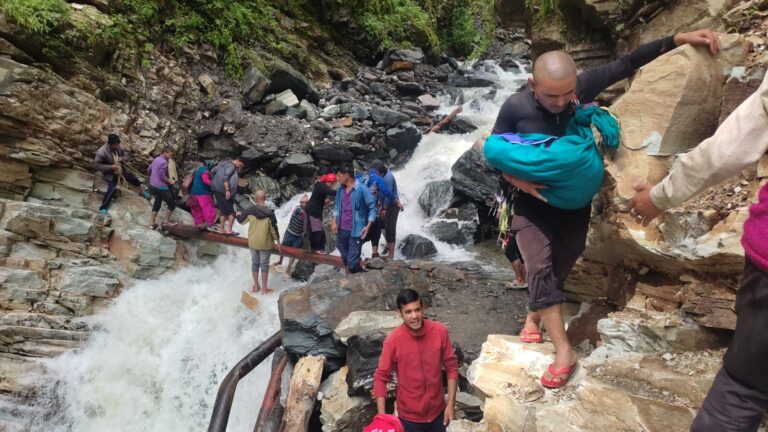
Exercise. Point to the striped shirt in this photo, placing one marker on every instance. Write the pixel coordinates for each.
(298, 222)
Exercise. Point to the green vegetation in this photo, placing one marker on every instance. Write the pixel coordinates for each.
(37, 16)
(543, 8)
(238, 29)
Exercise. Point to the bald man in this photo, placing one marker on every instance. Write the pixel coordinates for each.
(551, 239)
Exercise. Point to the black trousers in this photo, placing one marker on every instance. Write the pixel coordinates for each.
(160, 196)
(550, 241)
(738, 398)
(112, 187)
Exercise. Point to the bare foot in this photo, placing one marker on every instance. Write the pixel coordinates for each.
(255, 288)
(565, 360)
(267, 291)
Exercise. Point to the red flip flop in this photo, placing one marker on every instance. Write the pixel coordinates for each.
(531, 336)
(556, 373)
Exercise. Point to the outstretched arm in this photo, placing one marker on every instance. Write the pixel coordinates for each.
(595, 80)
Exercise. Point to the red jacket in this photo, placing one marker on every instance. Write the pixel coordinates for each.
(418, 361)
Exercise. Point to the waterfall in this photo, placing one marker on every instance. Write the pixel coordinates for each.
(158, 353)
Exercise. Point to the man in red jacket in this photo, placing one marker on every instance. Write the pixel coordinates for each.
(418, 350)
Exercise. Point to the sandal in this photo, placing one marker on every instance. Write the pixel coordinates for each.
(152, 226)
(557, 381)
(531, 336)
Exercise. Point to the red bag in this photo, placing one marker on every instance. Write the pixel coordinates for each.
(384, 423)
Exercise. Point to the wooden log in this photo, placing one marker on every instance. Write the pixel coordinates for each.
(191, 231)
(446, 120)
(272, 395)
(302, 393)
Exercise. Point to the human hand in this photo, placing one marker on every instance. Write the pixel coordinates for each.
(364, 232)
(228, 195)
(528, 187)
(704, 37)
(400, 205)
(333, 226)
(641, 207)
(382, 213)
(171, 182)
(449, 415)
(115, 167)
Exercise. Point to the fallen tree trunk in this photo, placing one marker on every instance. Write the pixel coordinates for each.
(445, 121)
(191, 231)
(302, 393)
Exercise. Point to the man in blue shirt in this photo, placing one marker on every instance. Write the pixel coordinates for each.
(353, 214)
(380, 191)
(390, 208)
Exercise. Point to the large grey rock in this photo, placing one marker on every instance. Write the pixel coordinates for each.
(416, 246)
(472, 176)
(388, 116)
(481, 79)
(285, 77)
(363, 352)
(301, 164)
(403, 138)
(414, 56)
(90, 280)
(361, 322)
(287, 98)
(459, 225)
(347, 134)
(340, 412)
(20, 289)
(436, 196)
(460, 126)
(309, 314)
(254, 86)
(333, 153)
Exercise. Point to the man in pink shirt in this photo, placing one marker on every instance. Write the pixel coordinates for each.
(418, 351)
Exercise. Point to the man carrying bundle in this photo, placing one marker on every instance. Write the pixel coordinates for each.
(551, 238)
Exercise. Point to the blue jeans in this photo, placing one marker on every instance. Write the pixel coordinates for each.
(349, 247)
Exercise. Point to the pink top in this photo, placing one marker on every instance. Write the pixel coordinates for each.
(755, 239)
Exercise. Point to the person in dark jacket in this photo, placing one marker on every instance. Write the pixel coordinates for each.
(108, 160)
(389, 209)
(224, 188)
(321, 195)
(551, 239)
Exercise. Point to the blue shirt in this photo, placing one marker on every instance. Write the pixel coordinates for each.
(362, 204)
(391, 183)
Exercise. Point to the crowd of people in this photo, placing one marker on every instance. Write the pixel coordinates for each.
(542, 241)
(365, 206)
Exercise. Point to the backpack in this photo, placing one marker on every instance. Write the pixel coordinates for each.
(384, 423)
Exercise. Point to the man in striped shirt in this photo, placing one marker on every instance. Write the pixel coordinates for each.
(297, 227)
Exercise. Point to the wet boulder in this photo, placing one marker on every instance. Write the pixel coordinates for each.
(473, 177)
(416, 246)
(363, 352)
(388, 117)
(403, 138)
(436, 196)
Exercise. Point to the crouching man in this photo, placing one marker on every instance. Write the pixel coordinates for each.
(418, 351)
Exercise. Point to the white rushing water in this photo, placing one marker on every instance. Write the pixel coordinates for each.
(158, 353)
(433, 158)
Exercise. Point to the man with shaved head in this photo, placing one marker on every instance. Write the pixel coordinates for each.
(551, 239)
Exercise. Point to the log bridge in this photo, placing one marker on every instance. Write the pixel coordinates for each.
(193, 232)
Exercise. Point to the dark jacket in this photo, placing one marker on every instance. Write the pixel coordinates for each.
(103, 161)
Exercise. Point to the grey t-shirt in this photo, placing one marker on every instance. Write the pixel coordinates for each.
(225, 171)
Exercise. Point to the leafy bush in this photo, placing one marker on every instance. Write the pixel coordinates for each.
(543, 8)
(394, 23)
(37, 16)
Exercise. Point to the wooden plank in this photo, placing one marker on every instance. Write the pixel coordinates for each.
(302, 392)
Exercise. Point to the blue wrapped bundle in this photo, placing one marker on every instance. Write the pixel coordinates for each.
(570, 166)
